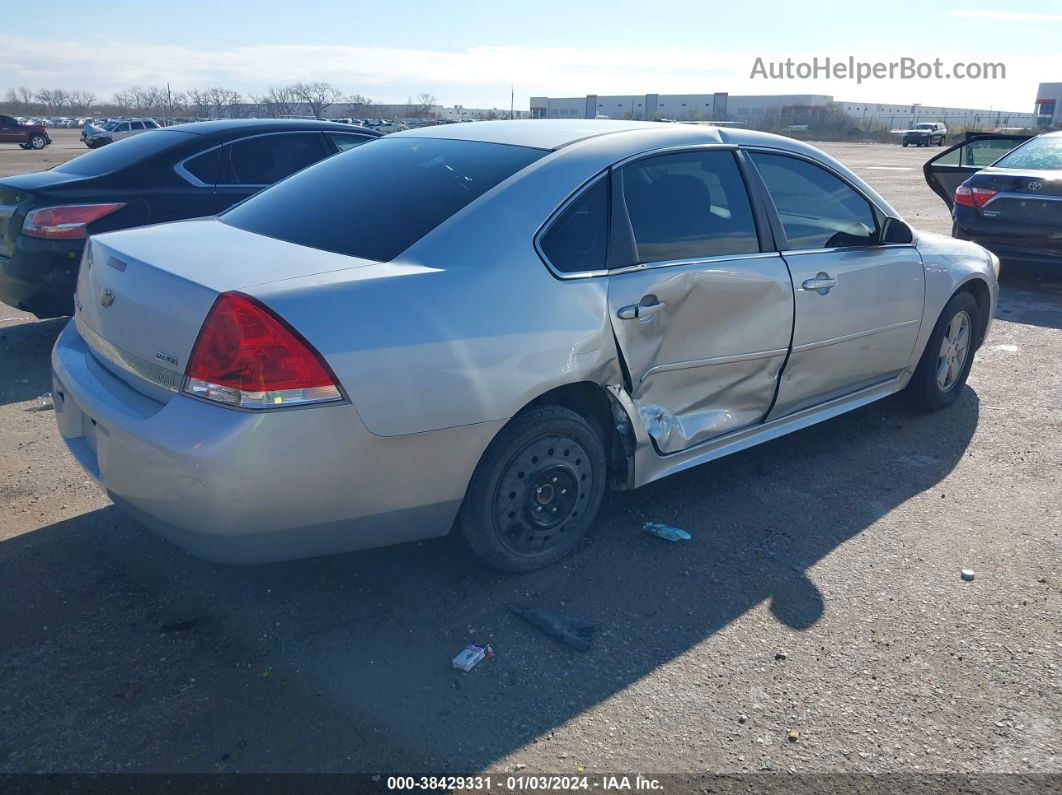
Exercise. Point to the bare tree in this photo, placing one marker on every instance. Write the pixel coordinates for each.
(276, 102)
(198, 103)
(54, 99)
(25, 96)
(82, 101)
(425, 103)
(319, 96)
(223, 101)
(358, 103)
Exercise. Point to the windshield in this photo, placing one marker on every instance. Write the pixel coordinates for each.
(122, 153)
(923, 127)
(1041, 154)
(377, 200)
(110, 125)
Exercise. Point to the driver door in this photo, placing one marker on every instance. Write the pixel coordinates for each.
(858, 302)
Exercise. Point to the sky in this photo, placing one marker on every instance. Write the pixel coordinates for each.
(470, 52)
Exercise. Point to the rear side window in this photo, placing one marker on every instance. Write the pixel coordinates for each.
(577, 240)
(817, 209)
(266, 159)
(204, 167)
(344, 142)
(376, 201)
(125, 152)
(1044, 153)
(688, 205)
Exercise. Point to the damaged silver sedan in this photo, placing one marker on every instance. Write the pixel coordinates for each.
(488, 326)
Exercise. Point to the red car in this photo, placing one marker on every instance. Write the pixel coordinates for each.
(28, 136)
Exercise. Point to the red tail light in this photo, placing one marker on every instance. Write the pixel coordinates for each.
(249, 357)
(65, 222)
(973, 197)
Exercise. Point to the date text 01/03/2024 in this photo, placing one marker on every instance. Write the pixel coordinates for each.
(523, 783)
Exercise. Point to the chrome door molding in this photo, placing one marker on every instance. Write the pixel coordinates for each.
(810, 346)
(740, 357)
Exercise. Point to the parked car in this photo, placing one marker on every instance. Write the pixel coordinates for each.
(1005, 193)
(179, 172)
(28, 136)
(568, 306)
(925, 134)
(117, 130)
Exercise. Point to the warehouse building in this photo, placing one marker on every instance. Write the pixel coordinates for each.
(1049, 105)
(795, 108)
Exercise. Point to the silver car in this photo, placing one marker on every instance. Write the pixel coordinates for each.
(488, 326)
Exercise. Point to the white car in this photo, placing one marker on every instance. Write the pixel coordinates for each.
(117, 129)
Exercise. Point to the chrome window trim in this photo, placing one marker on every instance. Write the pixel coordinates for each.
(676, 263)
(797, 252)
(536, 240)
(187, 176)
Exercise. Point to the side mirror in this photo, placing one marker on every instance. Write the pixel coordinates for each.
(896, 231)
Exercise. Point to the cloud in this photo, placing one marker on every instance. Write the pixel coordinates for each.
(1009, 16)
(481, 76)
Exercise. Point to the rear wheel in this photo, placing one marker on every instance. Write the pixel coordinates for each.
(536, 491)
(38, 142)
(946, 361)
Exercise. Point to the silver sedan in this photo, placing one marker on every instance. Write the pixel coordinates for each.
(488, 326)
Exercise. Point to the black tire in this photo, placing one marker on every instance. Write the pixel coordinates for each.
(905, 144)
(38, 142)
(925, 388)
(536, 491)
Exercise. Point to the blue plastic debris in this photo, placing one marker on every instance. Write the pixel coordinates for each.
(666, 532)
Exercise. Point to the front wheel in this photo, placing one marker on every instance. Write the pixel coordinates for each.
(536, 491)
(38, 142)
(946, 361)
(905, 144)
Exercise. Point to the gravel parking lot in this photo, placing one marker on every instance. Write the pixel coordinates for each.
(816, 622)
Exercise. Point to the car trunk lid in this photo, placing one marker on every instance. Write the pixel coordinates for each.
(144, 293)
(1026, 198)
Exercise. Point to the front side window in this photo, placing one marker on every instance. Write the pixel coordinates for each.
(376, 201)
(266, 159)
(576, 241)
(816, 208)
(7, 121)
(688, 205)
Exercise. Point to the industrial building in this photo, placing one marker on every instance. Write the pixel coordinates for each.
(795, 108)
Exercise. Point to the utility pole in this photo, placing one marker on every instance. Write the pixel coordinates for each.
(169, 103)
(512, 100)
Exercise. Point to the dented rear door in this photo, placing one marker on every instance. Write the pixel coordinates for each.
(704, 320)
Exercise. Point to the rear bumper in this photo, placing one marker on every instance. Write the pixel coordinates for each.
(40, 276)
(242, 487)
(1028, 245)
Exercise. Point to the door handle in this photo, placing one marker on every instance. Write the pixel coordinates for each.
(822, 284)
(647, 307)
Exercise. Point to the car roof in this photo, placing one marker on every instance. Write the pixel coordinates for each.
(558, 133)
(222, 126)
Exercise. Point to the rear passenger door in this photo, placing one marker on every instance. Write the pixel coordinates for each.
(10, 132)
(250, 164)
(952, 167)
(858, 301)
(701, 305)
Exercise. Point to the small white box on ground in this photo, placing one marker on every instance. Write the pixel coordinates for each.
(469, 657)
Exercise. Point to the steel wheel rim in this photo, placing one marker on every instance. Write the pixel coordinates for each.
(954, 349)
(542, 494)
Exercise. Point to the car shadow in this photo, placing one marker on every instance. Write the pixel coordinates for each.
(1030, 294)
(120, 652)
(25, 358)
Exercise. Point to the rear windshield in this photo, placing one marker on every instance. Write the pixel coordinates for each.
(122, 153)
(377, 200)
(1041, 153)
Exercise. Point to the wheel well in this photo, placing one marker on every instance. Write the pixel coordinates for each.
(593, 403)
(979, 290)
